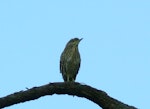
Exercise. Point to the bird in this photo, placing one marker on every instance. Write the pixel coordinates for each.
(70, 60)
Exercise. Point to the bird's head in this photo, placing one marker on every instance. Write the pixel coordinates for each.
(74, 42)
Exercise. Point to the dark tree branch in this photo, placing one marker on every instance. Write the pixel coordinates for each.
(97, 96)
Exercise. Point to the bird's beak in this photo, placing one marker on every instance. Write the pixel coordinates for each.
(81, 39)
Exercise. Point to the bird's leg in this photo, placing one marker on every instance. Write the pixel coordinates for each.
(73, 80)
(68, 79)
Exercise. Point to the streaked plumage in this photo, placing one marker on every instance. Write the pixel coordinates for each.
(70, 60)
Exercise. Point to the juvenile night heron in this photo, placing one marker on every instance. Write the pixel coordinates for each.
(70, 60)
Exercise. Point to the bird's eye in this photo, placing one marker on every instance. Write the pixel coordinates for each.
(73, 40)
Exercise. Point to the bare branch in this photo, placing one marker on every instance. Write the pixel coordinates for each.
(71, 88)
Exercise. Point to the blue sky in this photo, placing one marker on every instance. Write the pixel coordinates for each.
(115, 49)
